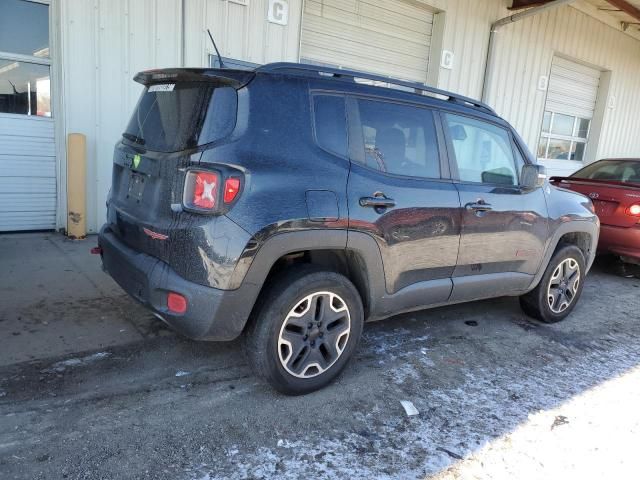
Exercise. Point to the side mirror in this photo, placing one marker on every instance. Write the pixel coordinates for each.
(533, 176)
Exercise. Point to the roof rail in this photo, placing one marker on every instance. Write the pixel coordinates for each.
(301, 68)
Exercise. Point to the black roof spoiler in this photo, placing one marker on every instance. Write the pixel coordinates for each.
(352, 75)
(233, 78)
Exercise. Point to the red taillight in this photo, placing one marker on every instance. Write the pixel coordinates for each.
(634, 210)
(176, 303)
(231, 189)
(206, 190)
(201, 190)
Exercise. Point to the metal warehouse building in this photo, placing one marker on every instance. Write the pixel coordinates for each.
(567, 77)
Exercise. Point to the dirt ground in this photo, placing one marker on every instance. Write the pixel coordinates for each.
(93, 386)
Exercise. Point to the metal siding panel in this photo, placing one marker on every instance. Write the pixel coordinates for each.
(79, 28)
(104, 43)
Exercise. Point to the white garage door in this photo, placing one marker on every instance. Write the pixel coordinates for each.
(571, 102)
(27, 147)
(27, 173)
(388, 37)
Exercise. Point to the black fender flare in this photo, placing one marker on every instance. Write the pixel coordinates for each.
(590, 227)
(369, 278)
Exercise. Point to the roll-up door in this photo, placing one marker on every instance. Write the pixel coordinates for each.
(388, 37)
(573, 88)
(569, 109)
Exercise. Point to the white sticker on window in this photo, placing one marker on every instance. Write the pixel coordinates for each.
(163, 87)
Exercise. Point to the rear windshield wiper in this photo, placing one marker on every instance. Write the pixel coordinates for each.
(133, 138)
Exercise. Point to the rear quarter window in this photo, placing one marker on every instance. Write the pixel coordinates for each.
(330, 124)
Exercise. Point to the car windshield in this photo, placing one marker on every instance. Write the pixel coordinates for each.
(174, 117)
(627, 171)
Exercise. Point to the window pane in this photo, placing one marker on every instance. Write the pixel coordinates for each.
(559, 149)
(330, 124)
(546, 122)
(24, 88)
(483, 151)
(399, 139)
(578, 151)
(542, 147)
(583, 127)
(562, 125)
(24, 28)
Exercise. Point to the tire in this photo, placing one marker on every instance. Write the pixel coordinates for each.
(304, 329)
(557, 293)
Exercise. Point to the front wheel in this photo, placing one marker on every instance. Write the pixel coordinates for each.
(560, 287)
(305, 329)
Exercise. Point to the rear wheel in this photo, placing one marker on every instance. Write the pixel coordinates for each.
(560, 287)
(304, 330)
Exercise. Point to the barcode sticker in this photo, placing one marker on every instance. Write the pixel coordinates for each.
(162, 87)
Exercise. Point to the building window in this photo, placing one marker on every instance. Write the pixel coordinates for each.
(563, 137)
(25, 64)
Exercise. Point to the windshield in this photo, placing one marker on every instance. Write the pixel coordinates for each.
(627, 171)
(174, 117)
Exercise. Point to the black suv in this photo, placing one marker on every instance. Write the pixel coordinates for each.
(292, 203)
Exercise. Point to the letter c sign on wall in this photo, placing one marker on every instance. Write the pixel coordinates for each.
(278, 12)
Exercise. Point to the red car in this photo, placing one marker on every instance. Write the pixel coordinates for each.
(614, 187)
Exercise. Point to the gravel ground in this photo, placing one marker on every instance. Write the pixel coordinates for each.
(498, 395)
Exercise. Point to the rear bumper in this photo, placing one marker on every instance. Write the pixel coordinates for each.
(212, 314)
(623, 241)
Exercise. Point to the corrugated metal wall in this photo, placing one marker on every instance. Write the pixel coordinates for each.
(525, 51)
(241, 31)
(104, 43)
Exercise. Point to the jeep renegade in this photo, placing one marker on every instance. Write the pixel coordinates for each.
(292, 203)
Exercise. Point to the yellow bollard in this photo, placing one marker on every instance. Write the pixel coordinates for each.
(76, 185)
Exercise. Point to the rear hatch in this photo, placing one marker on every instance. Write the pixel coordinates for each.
(612, 200)
(180, 113)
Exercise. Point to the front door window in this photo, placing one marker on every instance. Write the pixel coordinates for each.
(25, 64)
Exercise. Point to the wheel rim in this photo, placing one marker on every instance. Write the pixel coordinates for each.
(314, 334)
(563, 285)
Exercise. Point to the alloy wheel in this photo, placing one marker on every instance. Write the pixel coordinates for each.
(563, 285)
(314, 334)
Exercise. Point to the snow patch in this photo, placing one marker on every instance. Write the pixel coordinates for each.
(77, 362)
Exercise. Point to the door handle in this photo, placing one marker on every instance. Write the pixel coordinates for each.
(377, 202)
(479, 206)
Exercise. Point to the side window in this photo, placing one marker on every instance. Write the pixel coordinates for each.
(483, 151)
(330, 123)
(399, 139)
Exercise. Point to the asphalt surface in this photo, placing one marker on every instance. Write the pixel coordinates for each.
(498, 395)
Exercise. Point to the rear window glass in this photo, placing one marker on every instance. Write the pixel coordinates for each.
(330, 123)
(174, 117)
(615, 170)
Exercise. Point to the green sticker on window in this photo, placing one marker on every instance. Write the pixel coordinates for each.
(136, 161)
